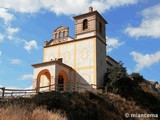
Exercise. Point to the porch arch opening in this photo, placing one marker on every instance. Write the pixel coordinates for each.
(62, 81)
(43, 79)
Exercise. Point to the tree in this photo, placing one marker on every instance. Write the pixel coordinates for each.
(114, 75)
(137, 77)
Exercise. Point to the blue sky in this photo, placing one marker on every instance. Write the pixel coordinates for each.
(133, 34)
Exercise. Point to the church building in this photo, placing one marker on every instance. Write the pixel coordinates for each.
(74, 63)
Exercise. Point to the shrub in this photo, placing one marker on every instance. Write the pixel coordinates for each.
(137, 77)
(114, 77)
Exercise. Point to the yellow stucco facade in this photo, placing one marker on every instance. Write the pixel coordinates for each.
(80, 55)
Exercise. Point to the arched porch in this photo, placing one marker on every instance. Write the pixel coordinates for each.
(43, 79)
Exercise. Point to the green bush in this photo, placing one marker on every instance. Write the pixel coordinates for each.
(114, 77)
(137, 77)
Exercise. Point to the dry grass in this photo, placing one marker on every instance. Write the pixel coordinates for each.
(14, 112)
(122, 105)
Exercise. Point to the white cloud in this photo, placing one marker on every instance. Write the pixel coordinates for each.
(23, 6)
(118, 3)
(1, 37)
(151, 12)
(129, 71)
(146, 60)
(30, 87)
(113, 43)
(5, 15)
(11, 31)
(26, 77)
(30, 45)
(150, 24)
(66, 7)
(16, 61)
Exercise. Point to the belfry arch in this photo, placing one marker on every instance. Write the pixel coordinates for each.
(43, 79)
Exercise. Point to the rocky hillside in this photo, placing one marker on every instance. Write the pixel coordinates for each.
(98, 105)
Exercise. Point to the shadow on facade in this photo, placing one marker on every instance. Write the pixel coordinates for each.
(62, 82)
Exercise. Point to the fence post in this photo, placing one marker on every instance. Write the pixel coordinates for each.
(56, 87)
(3, 91)
(11, 94)
(36, 88)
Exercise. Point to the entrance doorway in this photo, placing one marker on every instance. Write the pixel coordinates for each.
(60, 83)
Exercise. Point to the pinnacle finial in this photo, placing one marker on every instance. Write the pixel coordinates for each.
(90, 9)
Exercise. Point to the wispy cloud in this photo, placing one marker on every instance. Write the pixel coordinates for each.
(113, 43)
(145, 60)
(11, 31)
(30, 87)
(25, 6)
(80, 6)
(1, 37)
(28, 45)
(16, 61)
(5, 15)
(150, 24)
(26, 77)
(66, 7)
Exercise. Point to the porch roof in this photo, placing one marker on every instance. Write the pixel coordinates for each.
(51, 63)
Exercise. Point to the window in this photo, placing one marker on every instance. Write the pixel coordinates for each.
(64, 33)
(100, 26)
(60, 34)
(85, 24)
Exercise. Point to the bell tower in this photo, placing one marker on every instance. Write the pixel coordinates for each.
(90, 24)
(90, 27)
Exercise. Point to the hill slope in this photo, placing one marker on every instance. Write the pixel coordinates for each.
(88, 105)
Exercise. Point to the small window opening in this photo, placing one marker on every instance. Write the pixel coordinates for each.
(60, 34)
(100, 26)
(64, 34)
(85, 24)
